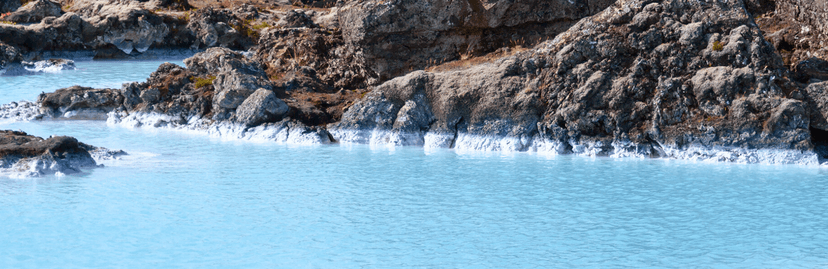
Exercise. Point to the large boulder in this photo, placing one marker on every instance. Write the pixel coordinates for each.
(261, 106)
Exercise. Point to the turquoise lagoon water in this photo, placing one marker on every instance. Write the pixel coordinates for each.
(186, 200)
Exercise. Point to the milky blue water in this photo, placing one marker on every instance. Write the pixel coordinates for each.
(183, 200)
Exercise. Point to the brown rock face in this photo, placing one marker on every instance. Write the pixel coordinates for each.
(672, 74)
(797, 28)
(396, 37)
(24, 145)
(23, 155)
(80, 98)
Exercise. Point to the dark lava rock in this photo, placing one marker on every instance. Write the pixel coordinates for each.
(35, 11)
(668, 74)
(23, 155)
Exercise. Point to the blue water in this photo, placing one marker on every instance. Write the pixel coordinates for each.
(97, 74)
(184, 200)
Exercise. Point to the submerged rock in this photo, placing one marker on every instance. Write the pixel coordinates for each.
(24, 155)
(30, 68)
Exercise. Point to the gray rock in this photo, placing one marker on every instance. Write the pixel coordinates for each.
(261, 106)
(80, 102)
(396, 37)
(23, 155)
(646, 75)
(35, 11)
(818, 105)
(9, 6)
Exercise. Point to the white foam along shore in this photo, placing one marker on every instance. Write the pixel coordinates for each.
(289, 132)
(45, 66)
(283, 132)
(463, 142)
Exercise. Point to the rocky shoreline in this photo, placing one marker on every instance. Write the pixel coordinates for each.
(700, 80)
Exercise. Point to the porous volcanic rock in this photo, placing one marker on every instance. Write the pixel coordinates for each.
(395, 37)
(640, 78)
(797, 28)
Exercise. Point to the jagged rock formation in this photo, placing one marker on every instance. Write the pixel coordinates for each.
(637, 78)
(24, 155)
(797, 28)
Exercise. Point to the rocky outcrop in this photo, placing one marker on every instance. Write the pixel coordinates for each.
(797, 28)
(126, 30)
(639, 78)
(395, 37)
(80, 103)
(673, 78)
(35, 11)
(220, 92)
(120, 29)
(24, 155)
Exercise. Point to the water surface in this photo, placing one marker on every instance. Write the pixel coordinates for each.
(184, 200)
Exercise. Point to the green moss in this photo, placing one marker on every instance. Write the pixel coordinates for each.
(243, 28)
(203, 82)
(261, 26)
(717, 46)
(185, 17)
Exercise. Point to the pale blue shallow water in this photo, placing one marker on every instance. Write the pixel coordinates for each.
(183, 200)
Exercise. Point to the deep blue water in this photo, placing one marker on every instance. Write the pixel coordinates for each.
(184, 200)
